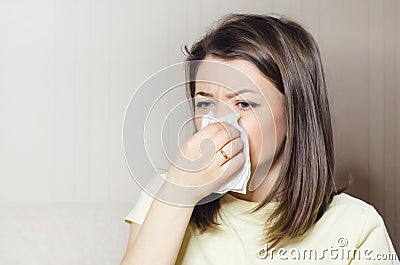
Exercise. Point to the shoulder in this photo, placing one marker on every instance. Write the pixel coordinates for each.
(359, 223)
(347, 199)
(353, 211)
(346, 205)
(353, 219)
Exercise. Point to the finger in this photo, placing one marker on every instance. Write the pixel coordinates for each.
(230, 168)
(230, 149)
(212, 129)
(206, 131)
(225, 135)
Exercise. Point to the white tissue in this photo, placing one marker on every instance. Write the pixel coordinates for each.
(238, 183)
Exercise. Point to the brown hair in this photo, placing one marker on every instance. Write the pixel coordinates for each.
(289, 57)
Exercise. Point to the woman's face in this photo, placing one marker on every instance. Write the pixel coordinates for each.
(261, 109)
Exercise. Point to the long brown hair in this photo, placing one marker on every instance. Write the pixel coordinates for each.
(289, 57)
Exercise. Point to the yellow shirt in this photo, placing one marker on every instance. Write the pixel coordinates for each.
(349, 224)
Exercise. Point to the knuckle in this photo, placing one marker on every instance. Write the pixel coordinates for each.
(234, 132)
(239, 142)
(225, 136)
(216, 126)
(229, 133)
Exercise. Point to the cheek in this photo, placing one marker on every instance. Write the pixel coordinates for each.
(262, 138)
(197, 123)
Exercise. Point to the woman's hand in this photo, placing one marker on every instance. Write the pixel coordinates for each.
(201, 167)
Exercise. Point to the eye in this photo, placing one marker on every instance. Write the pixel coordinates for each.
(246, 105)
(204, 104)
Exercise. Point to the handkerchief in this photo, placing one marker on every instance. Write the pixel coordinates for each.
(237, 183)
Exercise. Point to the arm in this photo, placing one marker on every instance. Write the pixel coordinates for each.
(159, 239)
(164, 227)
(134, 231)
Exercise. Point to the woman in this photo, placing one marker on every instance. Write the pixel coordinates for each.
(295, 215)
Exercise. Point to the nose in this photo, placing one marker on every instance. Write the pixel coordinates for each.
(222, 109)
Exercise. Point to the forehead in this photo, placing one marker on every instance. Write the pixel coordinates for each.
(232, 75)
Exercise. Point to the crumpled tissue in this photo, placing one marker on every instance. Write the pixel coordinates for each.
(237, 183)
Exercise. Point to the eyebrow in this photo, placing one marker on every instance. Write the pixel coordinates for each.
(231, 95)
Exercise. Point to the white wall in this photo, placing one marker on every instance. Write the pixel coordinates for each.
(68, 69)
